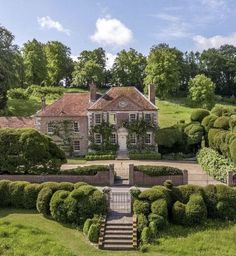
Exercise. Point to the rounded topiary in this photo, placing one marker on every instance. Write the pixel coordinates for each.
(146, 235)
(232, 149)
(43, 201)
(4, 193)
(187, 190)
(52, 185)
(65, 186)
(93, 233)
(87, 225)
(199, 114)
(222, 122)
(153, 229)
(196, 211)
(178, 213)
(135, 192)
(159, 207)
(232, 122)
(80, 184)
(154, 193)
(168, 137)
(16, 191)
(141, 206)
(208, 122)
(210, 199)
(31, 192)
(168, 184)
(194, 133)
(57, 207)
(144, 248)
(142, 222)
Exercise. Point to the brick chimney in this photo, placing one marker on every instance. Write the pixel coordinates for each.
(152, 93)
(43, 103)
(93, 92)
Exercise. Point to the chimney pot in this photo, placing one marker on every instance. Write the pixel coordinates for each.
(152, 93)
(43, 103)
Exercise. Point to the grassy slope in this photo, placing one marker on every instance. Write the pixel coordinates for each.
(41, 236)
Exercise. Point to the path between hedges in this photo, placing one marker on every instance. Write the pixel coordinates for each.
(196, 175)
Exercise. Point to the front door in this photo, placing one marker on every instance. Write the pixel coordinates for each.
(122, 139)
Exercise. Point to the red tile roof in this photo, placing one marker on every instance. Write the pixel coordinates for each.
(17, 122)
(71, 104)
(116, 96)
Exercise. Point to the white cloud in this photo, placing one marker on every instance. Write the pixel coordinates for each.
(202, 42)
(110, 58)
(215, 4)
(48, 23)
(111, 31)
(74, 57)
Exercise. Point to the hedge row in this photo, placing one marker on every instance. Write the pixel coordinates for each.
(100, 157)
(158, 170)
(87, 170)
(145, 156)
(215, 164)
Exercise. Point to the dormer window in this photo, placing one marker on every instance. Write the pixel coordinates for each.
(76, 127)
(98, 118)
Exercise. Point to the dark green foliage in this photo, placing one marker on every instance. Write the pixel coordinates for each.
(57, 209)
(146, 235)
(159, 207)
(194, 133)
(144, 248)
(28, 151)
(232, 122)
(222, 111)
(135, 192)
(4, 193)
(68, 186)
(87, 225)
(52, 185)
(17, 93)
(16, 191)
(208, 122)
(93, 233)
(142, 222)
(232, 149)
(145, 156)
(196, 211)
(153, 229)
(31, 192)
(178, 213)
(159, 220)
(168, 184)
(158, 170)
(210, 199)
(187, 190)
(155, 193)
(199, 114)
(222, 122)
(141, 207)
(100, 157)
(79, 184)
(88, 170)
(43, 200)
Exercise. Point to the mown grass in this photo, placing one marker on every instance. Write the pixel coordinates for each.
(28, 233)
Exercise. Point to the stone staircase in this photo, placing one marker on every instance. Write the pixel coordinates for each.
(122, 155)
(121, 174)
(119, 234)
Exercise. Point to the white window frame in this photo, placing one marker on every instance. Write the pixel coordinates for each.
(95, 139)
(148, 114)
(150, 136)
(76, 146)
(112, 118)
(76, 127)
(50, 128)
(95, 118)
(135, 117)
(113, 138)
(133, 136)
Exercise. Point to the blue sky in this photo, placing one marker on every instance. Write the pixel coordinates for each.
(118, 24)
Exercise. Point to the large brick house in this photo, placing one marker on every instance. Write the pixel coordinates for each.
(75, 114)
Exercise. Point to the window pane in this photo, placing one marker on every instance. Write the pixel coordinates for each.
(113, 138)
(77, 145)
(133, 138)
(132, 117)
(97, 118)
(98, 138)
(148, 138)
(148, 117)
(50, 128)
(76, 127)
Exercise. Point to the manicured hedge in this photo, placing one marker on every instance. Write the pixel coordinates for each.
(100, 157)
(208, 122)
(87, 170)
(222, 122)
(16, 192)
(31, 192)
(145, 156)
(28, 151)
(158, 170)
(199, 114)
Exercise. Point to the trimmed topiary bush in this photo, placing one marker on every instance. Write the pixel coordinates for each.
(210, 199)
(43, 201)
(31, 192)
(54, 186)
(93, 233)
(198, 115)
(187, 190)
(158, 170)
(68, 186)
(4, 193)
(79, 184)
(141, 206)
(196, 211)
(16, 191)
(146, 236)
(135, 192)
(194, 133)
(155, 193)
(88, 170)
(87, 225)
(232, 148)
(178, 213)
(159, 207)
(142, 222)
(208, 122)
(222, 122)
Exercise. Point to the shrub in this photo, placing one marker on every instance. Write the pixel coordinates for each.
(178, 213)
(187, 190)
(159, 220)
(208, 122)
(4, 193)
(135, 192)
(194, 133)
(31, 192)
(168, 184)
(100, 157)
(68, 186)
(80, 184)
(196, 211)
(199, 114)
(145, 156)
(210, 199)
(232, 122)
(142, 222)
(16, 191)
(141, 207)
(51, 91)
(144, 248)
(17, 93)
(54, 186)
(232, 149)
(222, 122)
(222, 111)
(93, 233)
(57, 209)
(43, 201)
(87, 225)
(159, 207)
(158, 170)
(146, 235)
(88, 170)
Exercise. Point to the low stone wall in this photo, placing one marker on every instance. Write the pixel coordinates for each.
(105, 178)
(231, 179)
(140, 178)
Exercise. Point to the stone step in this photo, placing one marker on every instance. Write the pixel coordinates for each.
(118, 247)
(118, 241)
(119, 232)
(119, 224)
(112, 227)
(119, 236)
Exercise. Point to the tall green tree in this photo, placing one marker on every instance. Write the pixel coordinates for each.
(202, 92)
(8, 61)
(59, 63)
(129, 69)
(34, 62)
(164, 70)
(90, 67)
(220, 66)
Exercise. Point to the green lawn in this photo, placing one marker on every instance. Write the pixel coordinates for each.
(28, 233)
